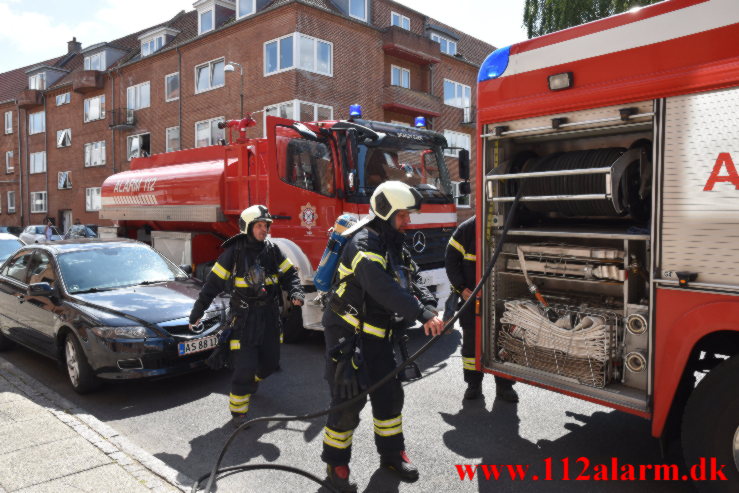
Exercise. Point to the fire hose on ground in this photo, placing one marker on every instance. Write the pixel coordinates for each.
(215, 471)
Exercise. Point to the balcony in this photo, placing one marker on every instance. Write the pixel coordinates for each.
(409, 46)
(122, 119)
(29, 98)
(410, 102)
(87, 80)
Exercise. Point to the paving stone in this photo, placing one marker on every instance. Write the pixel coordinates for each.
(43, 428)
(109, 478)
(23, 468)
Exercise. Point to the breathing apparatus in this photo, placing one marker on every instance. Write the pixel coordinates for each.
(216, 470)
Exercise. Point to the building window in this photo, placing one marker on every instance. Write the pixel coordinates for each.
(246, 7)
(64, 137)
(447, 45)
(64, 180)
(138, 146)
(358, 9)
(37, 122)
(205, 21)
(301, 111)
(9, 168)
(400, 76)
(37, 162)
(38, 202)
(207, 132)
(37, 81)
(92, 199)
(8, 122)
(11, 202)
(95, 154)
(63, 98)
(400, 20)
(456, 94)
(209, 76)
(461, 201)
(172, 86)
(313, 54)
(94, 108)
(456, 139)
(95, 62)
(138, 96)
(151, 45)
(173, 139)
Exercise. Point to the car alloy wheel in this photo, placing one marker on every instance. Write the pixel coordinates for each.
(73, 365)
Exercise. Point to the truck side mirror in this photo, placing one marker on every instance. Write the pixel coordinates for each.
(464, 188)
(464, 164)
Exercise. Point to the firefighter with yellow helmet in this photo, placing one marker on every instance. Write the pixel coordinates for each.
(373, 292)
(256, 271)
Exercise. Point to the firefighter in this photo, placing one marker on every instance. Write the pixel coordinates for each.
(460, 268)
(256, 270)
(374, 289)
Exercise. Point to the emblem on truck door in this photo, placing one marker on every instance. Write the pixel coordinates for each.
(419, 242)
(308, 216)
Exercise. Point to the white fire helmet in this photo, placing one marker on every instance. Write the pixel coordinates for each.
(392, 196)
(252, 215)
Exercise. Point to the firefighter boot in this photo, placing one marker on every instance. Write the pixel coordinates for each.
(401, 465)
(339, 478)
(474, 391)
(238, 419)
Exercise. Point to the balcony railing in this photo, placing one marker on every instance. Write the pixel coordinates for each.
(87, 80)
(409, 46)
(410, 102)
(29, 98)
(122, 118)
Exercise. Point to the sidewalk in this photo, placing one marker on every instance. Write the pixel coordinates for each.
(47, 445)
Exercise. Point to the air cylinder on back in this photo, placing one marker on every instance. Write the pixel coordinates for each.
(330, 258)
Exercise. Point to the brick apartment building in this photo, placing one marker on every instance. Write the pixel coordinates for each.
(71, 121)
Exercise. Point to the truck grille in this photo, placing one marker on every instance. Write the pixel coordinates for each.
(427, 246)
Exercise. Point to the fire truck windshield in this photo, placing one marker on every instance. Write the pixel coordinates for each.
(420, 168)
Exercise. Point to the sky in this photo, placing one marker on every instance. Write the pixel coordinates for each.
(34, 31)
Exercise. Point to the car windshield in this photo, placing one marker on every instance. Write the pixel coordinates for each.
(40, 230)
(113, 266)
(80, 231)
(417, 167)
(8, 247)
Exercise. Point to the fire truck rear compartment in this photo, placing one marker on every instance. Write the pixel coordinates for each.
(582, 240)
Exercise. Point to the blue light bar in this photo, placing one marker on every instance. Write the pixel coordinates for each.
(420, 122)
(355, 110)
(495, 64)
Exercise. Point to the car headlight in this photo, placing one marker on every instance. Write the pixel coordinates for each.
(132, 332)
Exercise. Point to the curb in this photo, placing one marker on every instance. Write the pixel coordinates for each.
(150, 471)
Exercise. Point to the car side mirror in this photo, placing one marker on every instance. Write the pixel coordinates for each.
(40, 289)
(464, 164)
(187, 269)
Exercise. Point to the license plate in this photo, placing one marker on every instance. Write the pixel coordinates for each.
(197, 345)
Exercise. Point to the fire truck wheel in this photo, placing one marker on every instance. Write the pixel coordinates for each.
(292, 326)
(710, 426)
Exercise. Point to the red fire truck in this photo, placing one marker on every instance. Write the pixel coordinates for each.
(187, 202)
(617, 280)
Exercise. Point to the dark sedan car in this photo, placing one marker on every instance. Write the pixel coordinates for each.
(108, 309)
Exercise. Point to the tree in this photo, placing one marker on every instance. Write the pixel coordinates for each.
(547, 16)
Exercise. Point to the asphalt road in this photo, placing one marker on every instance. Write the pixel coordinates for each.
(184, 421)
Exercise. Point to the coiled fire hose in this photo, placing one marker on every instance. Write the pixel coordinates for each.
(215, 471)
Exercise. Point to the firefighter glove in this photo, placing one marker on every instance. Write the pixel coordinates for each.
(346, 379)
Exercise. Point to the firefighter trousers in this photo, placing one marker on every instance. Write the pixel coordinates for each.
(387, 404)
(471, 375)
(255, 353)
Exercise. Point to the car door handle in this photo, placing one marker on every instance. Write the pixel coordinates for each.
(21, 298)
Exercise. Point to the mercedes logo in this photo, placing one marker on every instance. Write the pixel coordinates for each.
(419, 242)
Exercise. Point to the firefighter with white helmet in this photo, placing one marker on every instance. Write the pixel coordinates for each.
(373, 294)
(256, 271)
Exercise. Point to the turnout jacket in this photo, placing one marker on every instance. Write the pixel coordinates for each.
(460, 257)
(374, 279)
(279, 272)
